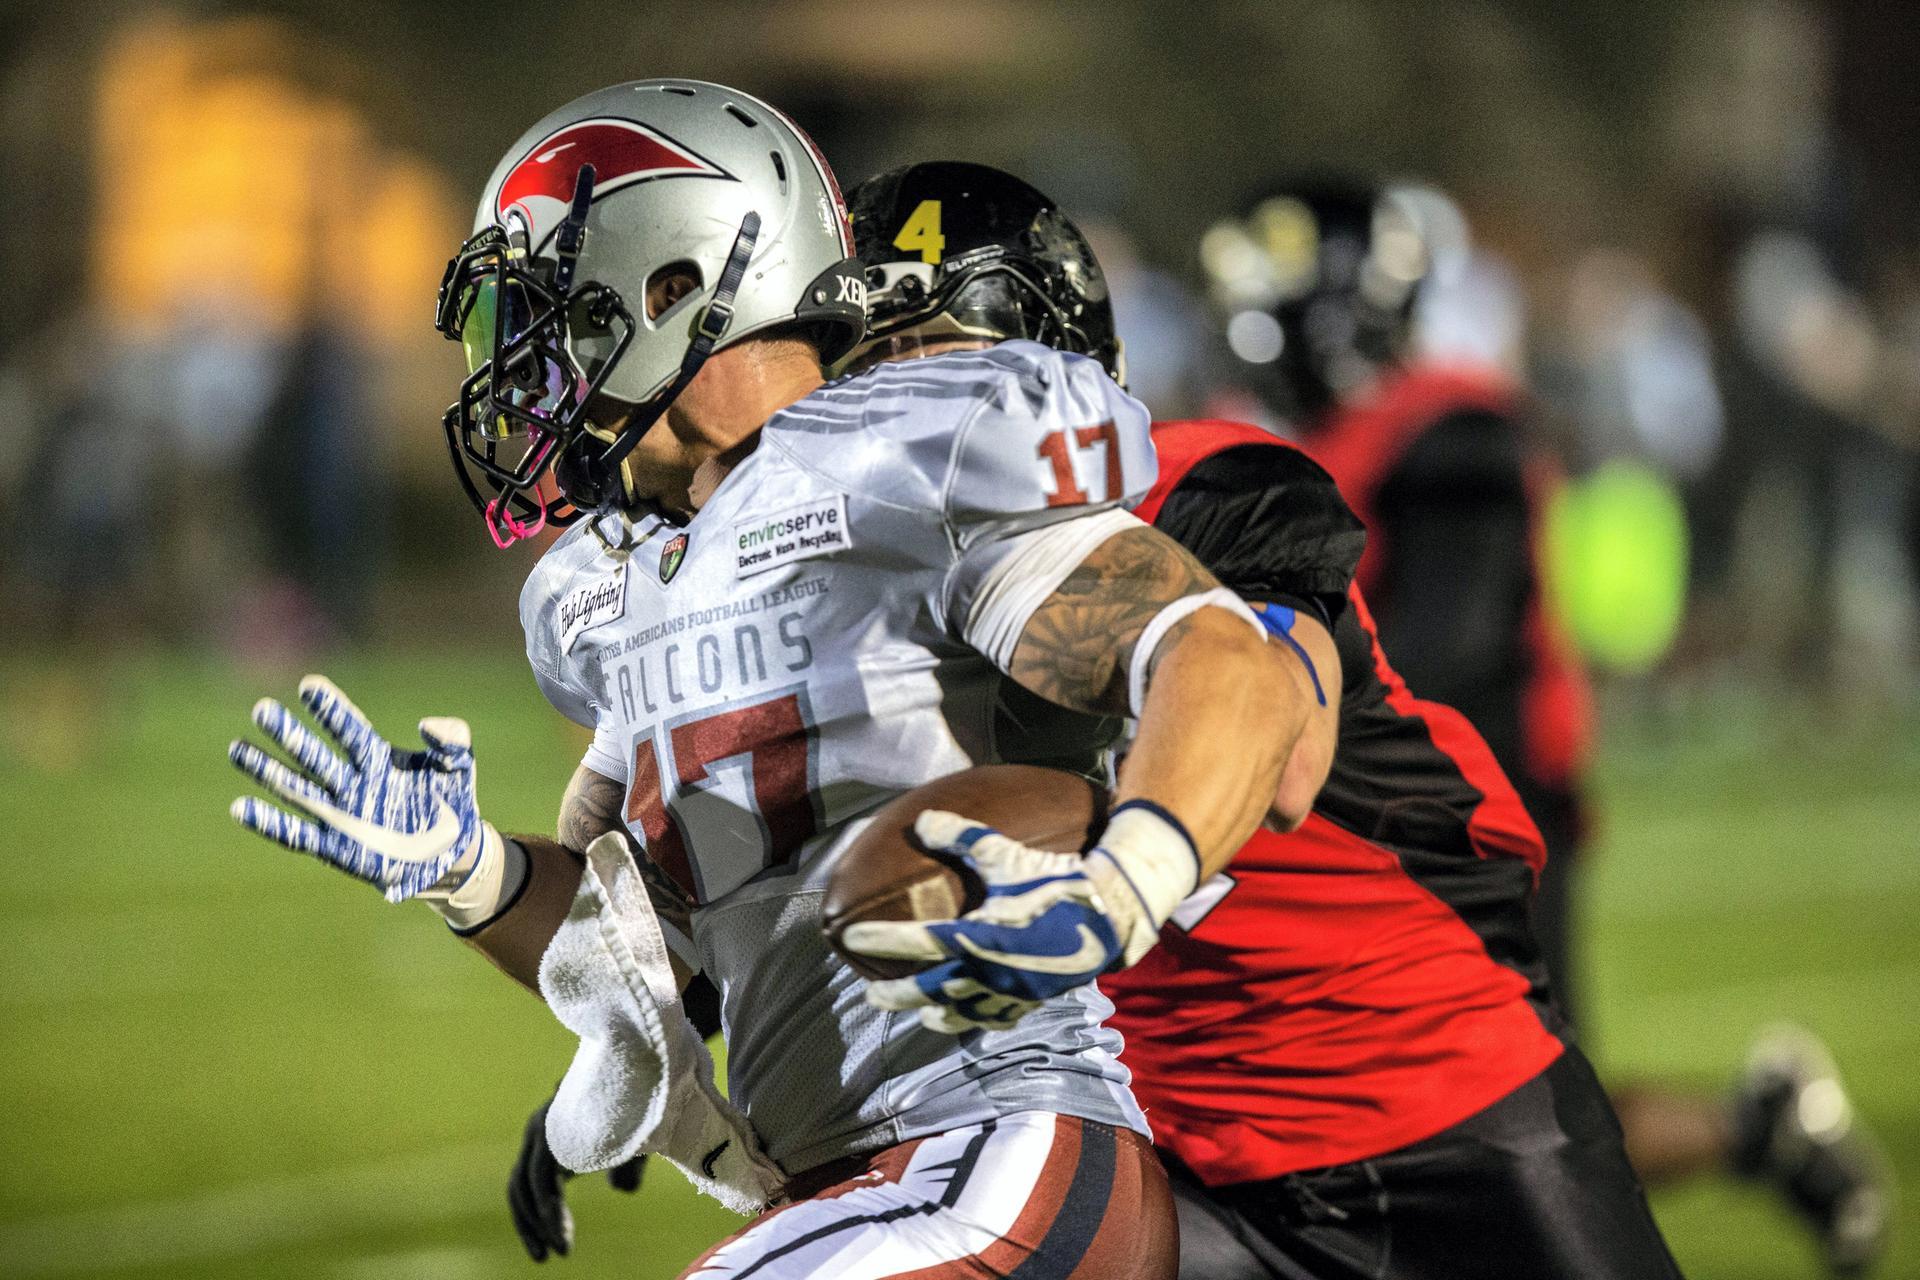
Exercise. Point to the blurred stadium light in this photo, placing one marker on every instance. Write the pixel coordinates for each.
(237, 197)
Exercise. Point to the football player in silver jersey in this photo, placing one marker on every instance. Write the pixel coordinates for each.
(783, 602)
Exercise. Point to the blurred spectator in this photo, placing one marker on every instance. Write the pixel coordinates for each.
(317, 472)
(1470, 308)
(81, 501)
(1160, 323)
(1640, 370)
(1802, 559)
(206, 385)
(79, 532)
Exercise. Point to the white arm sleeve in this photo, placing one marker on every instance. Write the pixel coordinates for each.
(998, 583)
(606, 755)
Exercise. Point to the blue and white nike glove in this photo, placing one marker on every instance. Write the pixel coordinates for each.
(1050, 921)
(404, 821)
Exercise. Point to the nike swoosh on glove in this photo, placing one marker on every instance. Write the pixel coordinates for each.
(1042, 929)
(405, 821)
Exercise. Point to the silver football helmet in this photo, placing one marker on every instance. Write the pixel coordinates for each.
(615, 190)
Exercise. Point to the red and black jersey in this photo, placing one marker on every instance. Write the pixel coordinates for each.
(1369, 980)
(1438, 462)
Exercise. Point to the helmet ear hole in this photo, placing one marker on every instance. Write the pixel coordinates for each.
(669, 284)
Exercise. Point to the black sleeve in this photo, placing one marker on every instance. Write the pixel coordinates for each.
(1268, 522)
(1453, 592)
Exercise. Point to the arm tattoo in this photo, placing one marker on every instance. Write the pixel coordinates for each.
(590, 809)
(1078, 645)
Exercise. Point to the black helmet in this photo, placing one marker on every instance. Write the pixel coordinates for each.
(1315, 287)
(966, 251)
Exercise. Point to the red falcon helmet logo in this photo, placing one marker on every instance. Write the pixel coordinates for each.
(620, 151)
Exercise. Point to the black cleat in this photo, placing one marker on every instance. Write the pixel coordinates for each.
(1794, 1128)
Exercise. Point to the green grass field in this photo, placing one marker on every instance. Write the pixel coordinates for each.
(222, 1060)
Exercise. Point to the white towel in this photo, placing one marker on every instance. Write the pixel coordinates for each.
(642, 1080)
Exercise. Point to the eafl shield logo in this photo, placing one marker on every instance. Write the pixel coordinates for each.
(671, 555)
(620, 151)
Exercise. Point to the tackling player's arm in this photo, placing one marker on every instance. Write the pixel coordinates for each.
(1271, 524)
(1311, 760)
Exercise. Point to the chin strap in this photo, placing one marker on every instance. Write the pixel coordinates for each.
(572, 236)
(604, 468)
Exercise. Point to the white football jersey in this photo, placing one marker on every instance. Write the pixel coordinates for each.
(827, 632)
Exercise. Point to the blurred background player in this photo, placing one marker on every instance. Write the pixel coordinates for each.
(1315, 285)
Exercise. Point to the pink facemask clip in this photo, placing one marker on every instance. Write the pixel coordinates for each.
(505, 528)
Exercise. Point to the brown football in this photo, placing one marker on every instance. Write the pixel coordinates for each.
(886, 874)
